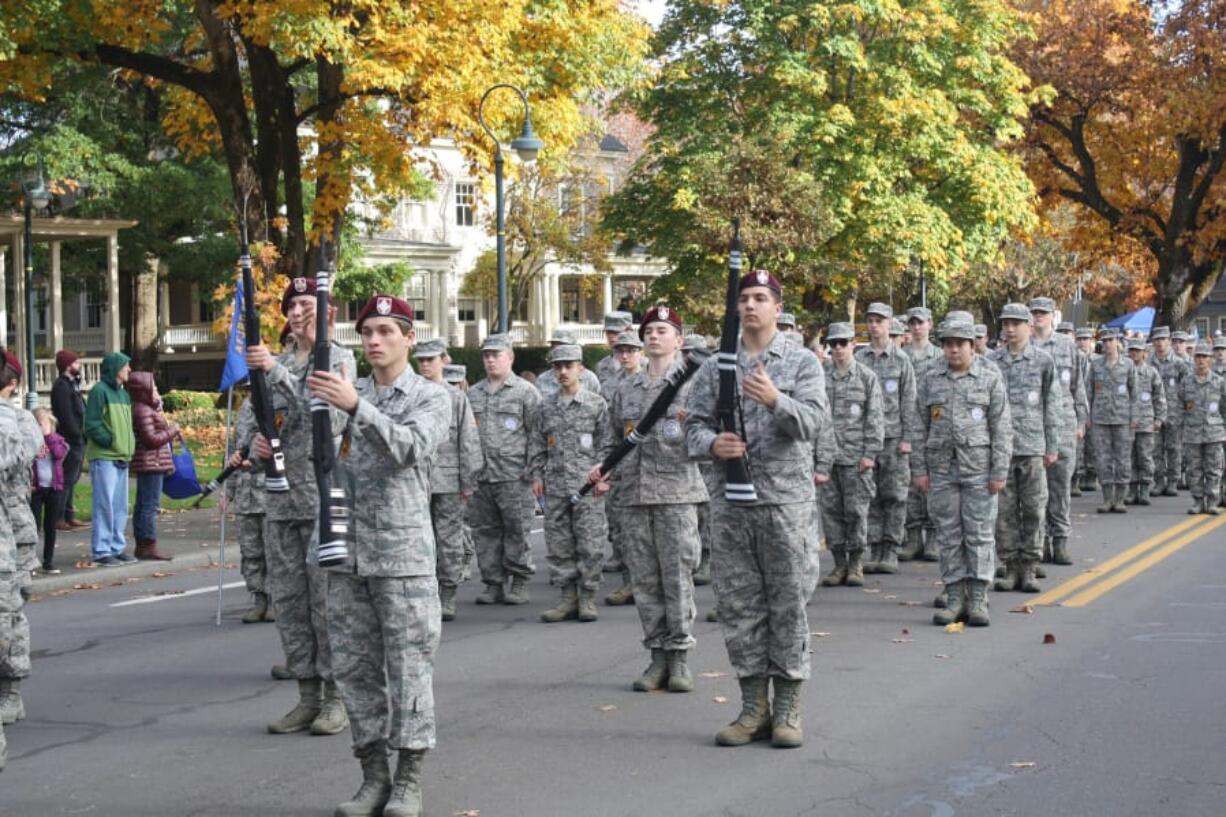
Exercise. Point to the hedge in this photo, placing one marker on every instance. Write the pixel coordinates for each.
(527, 358)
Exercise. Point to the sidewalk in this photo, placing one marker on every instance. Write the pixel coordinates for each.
(191, 537)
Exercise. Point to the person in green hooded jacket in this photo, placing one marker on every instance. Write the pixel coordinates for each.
(110, 443)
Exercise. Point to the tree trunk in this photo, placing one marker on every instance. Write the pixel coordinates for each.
(145, 317)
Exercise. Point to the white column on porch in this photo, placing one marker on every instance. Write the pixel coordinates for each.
(56, 294)
(113, 338)
(19, 298)
(553, 301)
(4, 310)
(163, 306)
(608, 295)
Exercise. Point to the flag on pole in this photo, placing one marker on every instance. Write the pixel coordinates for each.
(236, 344)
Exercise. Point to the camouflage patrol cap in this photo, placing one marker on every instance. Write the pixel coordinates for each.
(880, 310)
(961, 316)
(1108, 334)
(1084, 333)
(617, 321)
(1065, 328)
(1219, 342)
(1203, 349)
(981, 330)
(897, 328)
(430, 348)
(1136, 345)
(694, 343)
(1015, 312)
(840, 331)
(1042, 305)
(1181, 335)
(785, 319)
(455, 373)
(563, 336)
(628, 338)
(565, 353)
(496, 343)
(919, 313)
(957, 330)
(1160, 332)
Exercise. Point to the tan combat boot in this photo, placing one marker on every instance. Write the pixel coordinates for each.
(518, 594)
(405, 799)
(855, 569)
(376, 784)
(889, 559)
(977, 606)
(566, 608)
(955, 605)
(1059, 552)
(679, 678)
(259, 610)
(1026, 580)
(587, 606)
(754, 722)
(656, 673)
(873, 565)
(1009, 581)
(12, 708)
(332, 718)
(623, 594)
(837, 574)
(786, 732)
(304, 712)
(492, 594)
(446, 602)
(913, 545)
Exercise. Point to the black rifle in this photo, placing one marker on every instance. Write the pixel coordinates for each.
(333, 510)
(217, 481)
(674, 381)
(738, 485)
(261, 399)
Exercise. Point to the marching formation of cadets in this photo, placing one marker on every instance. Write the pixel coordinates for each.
(902, 449)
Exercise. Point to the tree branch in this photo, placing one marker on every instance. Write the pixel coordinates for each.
(154, 66)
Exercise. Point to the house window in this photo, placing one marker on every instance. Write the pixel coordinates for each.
(205, 310)
(93, 305)
(1221, 325)
(465, 201)
(419, 308)
(466, 309)
(1202, 328)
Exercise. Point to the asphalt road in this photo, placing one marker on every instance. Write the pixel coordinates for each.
(149, 709)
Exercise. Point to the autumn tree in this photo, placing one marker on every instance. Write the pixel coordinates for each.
(855, 139)
(1130, 128)
(329, 93)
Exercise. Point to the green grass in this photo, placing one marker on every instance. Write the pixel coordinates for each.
(207, 467)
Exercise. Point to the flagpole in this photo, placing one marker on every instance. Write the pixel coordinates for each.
(221, 503)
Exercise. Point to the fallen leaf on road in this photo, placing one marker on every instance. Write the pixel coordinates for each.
(956, 627)
(607, 708)
(84, 564)
(904, 640)
(158, 574)
(118, 583)
(889, 597)
(872, 590)
(712, 674)
(720, 699)
(1023, 764)
(942, 655)
(1025, 608)
(1048, 638)
(88, 586)
(910, 604)
(819, 635)
(472, 812)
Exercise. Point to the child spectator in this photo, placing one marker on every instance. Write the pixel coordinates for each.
(47, 498)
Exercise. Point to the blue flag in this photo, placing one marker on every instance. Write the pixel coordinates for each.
(236, 344)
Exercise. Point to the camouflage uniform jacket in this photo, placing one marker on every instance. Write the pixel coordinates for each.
(963, 418)
(1151, 398)
(922, 359)
(504, 418)
(1203, 406)
(17, 478)
(855, 412)
(1113, 392)
(896, 374)
(292, 407)
(547, 383)
(1072, 372)
(1173, 370)
(1035, 401)
(393, 435)
(569, 437)
(657, 471)
(780, 440)
(608, 367)
(11, 451)
(458, 462)
(245, 488)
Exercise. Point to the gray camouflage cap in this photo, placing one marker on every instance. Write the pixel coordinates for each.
(1203, 348)
(1160, 332)
(960, 315)
(957, 330)
(1015, 312)
(840, 331)
(628, 338)
(880, 310)
(1219, 342)
(981, 330)
(1108, 334)
(1084, 333)
(1136, 345)
(785, 319)
(1181, 335)
(563, 336)
(919, 313)
(1065, 328)
(455, 373)
(617, 321)
(897, 328)
(1042, 305)
(498, 342)
(564, 353)
(430, 348)
(694, 342)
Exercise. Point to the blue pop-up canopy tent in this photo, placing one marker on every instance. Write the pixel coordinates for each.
(1140, 321)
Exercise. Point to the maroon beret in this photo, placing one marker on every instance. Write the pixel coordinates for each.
(760, 278)
(65, 358)
(11, 360)
(296, 287)
(385, 306)
(660, 314)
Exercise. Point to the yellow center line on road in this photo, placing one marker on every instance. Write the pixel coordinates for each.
(1095, 573)
(1106, 585)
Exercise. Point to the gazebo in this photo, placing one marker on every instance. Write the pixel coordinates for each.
(91, 342)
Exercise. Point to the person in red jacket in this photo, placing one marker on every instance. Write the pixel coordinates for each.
(151, 463)
(47, 499)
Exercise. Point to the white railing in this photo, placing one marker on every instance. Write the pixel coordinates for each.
(86, 340)
(45, 373)
(347, 332)
(189, 335)
(586, 333)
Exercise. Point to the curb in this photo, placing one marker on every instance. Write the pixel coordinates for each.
(206, 557)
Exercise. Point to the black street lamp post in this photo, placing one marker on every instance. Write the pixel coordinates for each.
(37, 197)
(527, 146)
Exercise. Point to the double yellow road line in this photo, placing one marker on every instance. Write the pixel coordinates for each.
(1100, 579)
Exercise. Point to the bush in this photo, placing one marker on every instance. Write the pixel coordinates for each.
(181, 400)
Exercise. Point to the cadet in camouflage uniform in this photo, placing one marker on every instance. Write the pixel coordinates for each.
(1074, 411)
(20, 439)
(245, 498)
(854, 395)
(383, 607)
(919, 526)
(1202, 402)
(570, 435)
(296, 584)
(614, 324)
(1168, 447)
(702, 574)
(961, 459)
(1083, 477)
(1182, 343)
(888, 514)
(1152, 414)
(660, 489)
(1035, 408)
(499, 512)
(628, 349)
(758, 552)
(453, 477)
(547, 383)
(981, 339)
(1219, 368)
(1113, 409)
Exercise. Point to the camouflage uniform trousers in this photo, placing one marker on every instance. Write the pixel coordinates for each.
(384, 632)
(252, 562)
(27, 563)
(1143, 457)
(1059, 490)
(1080, 468)
(758, 558)
(965, 515)
(500, 514)
(299, 596)
(887, 515)
(1113, 445)
(615, 561)
(1168, 454)
(845, 501)
(450, 538)
(813, 547)
(1205, 464)
(917, 513)
(1090, 466)
(662, 551)
(1022, 505)
(574, 541)
(14, 629)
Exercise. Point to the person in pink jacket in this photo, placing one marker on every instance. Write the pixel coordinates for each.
(47, 498)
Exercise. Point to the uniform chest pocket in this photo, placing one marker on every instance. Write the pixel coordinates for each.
(785, 382)
(853, 400)
(976, 418)
(508, 421)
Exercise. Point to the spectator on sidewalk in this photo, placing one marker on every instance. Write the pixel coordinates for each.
(151, 463)
(110, 443)
(47, 496)
(69, 408)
